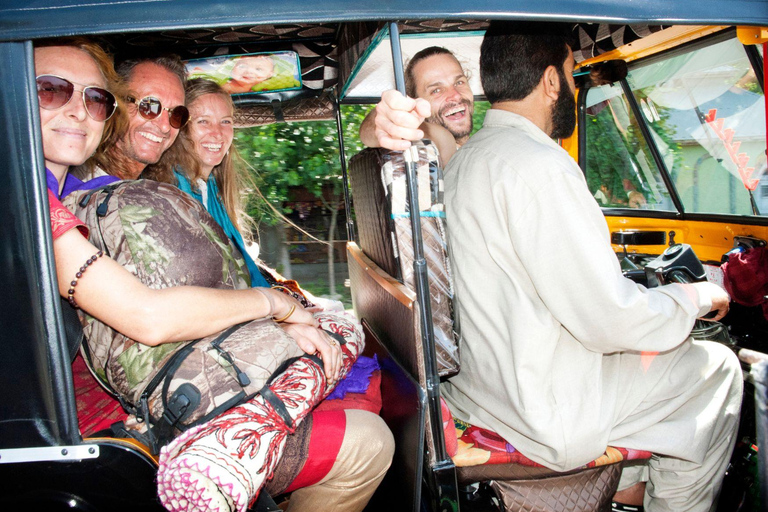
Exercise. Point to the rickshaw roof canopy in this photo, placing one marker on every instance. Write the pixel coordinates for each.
(53, 18)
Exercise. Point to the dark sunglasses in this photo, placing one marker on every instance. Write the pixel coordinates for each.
(54, 92)
(150, 108)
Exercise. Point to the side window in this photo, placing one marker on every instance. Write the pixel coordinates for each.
(706, 114)
(621, 172)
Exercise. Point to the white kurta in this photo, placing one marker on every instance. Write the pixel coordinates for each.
(551, 329)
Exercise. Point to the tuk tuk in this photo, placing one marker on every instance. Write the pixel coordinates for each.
(711, 54)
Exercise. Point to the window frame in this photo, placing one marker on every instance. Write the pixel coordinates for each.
(756, 64)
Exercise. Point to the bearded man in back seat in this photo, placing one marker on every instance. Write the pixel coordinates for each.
(562, 355)
(439, 106)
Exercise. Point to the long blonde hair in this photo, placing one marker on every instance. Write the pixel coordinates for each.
(230, 174)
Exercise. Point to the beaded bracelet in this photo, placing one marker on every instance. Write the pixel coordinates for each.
(88, 263)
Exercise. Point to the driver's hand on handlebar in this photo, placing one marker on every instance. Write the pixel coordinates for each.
(398, 119)
(313, 340)
(721, 302)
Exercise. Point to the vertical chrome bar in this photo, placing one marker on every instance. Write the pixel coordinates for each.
(345, 177)
(420, 269)
(652, 147)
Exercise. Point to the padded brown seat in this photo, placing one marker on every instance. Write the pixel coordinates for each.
(384, 227)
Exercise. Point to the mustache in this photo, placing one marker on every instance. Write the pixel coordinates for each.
(447, 107)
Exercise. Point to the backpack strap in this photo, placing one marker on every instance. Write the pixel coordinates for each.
(268, 395)
(264, 503)
(73, 329)
(160, 430)
(186, 398)
(101, 209)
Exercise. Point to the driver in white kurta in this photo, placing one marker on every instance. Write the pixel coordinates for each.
(553, 334)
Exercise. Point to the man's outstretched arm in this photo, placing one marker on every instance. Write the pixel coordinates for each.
(394, 122)
(397, 120)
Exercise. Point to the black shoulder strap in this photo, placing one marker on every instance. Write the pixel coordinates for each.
(110, 187)
(264, 503)
(101, 211)
(73, 330)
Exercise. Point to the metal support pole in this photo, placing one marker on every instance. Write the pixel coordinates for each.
(345, 177)
(420, 269)
(397, 57)
(653, 147)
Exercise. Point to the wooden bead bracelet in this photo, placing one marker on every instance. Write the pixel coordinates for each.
(88, 263)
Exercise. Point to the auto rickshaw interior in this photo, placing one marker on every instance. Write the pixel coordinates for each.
(672, 139)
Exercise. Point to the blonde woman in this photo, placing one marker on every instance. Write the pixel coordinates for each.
(202, 163)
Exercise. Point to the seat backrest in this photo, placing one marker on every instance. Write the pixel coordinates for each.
(385, 299)
(372, 211)
(382, 210)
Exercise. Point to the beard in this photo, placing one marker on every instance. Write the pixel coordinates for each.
(458, 132)
(563, 111)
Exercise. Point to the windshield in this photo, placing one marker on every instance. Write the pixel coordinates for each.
(705, 112)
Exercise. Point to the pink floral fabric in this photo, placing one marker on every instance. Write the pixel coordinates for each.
(62, 219)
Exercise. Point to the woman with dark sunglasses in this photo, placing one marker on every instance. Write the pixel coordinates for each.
(70, 137)
(73, 125)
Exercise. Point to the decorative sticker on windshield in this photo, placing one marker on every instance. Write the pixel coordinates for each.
(740, 159)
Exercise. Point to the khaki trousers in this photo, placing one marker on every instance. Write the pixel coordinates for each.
(682, 405)
(363, 459)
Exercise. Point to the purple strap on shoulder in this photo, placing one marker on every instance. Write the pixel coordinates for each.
(71, 183)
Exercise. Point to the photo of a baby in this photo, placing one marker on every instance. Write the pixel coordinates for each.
(250, 73)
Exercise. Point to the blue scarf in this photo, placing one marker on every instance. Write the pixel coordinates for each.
(72, 184)
(216, 208)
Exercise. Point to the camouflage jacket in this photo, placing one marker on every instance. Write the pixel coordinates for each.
(166, 238)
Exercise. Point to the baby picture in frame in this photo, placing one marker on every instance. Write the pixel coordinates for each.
(251, 72)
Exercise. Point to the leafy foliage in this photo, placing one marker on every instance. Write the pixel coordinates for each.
(296, 155)
(608, 157)
(481, 107)
(304, 155)
(612, 152)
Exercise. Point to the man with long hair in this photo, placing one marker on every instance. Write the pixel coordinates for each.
(156, 113)
(439, 106)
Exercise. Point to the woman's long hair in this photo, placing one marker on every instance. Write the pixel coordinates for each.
(115, 126)
(230, 175)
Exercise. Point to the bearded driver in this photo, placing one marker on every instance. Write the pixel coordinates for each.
(562, 355)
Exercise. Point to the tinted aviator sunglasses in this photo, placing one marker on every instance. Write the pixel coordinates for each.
(54, 92)
(150, 108)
